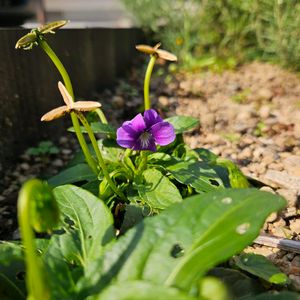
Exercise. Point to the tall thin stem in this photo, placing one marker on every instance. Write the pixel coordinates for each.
(66, 78)
(147, 102)
(99, 155)
(36, 287)
(101, 115)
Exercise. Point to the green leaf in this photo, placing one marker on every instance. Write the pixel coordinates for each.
(85, 217)
(182, 123)
(178, 246)
(236, 177)
(260, 266)
(239, 285)
(86, 227)
(98, 127)
(141, 290)
(77, 173)
(211, 288)
(110, 150)
(278, 296)
(206, 155)
(12, 271)
(199, 175)
(157, 190)
(133, 214)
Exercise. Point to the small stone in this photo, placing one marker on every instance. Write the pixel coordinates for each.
(257, 153)
(289, 212)
(245, 153)
(272, 217)
(24, 166)
(16, 235)
(118, 102)
(263, 251)
(267, 189)
(58, 163)
(63, 140)
(295, 281)
(264, 112)
(163, 101)
(208, 120)
(292, 165)
(282, 179)
(66, 151)
(264, 94)
(295, 226)
(275, 166)
(290, 195)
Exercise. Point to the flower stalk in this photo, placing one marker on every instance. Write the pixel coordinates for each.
(147, 102)
(67, 81)
(36, 209)
(99, 155)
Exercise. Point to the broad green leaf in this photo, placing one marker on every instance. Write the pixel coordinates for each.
(206, 155)
(87, 226)
(199, 175)
(178, 246)
(98, 127)
(260, 266)
(278, 296)
(77, 173)
(141, 290)
(182, 123)
(211, 288)
(239, 285)
(92, 187)
(183, 152)
(12, 272)
(110, 150)
(236, 177)
(133, 214)
(157, 190)
(87, 219)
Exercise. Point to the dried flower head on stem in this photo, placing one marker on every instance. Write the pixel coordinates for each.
(70, 106)
(31, 39)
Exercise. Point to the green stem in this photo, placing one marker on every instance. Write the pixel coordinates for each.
(143, 163)
(99, 155)
(101, 115)
(36, 287)
(66, 78)
(149, 70)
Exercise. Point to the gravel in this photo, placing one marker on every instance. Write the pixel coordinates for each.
(249, 115)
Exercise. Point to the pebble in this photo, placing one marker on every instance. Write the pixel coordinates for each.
(295, 226)
(163, 101)
(290, 195)
(292, 165)
(295, 281)
(264, 94)
(264, 112)
(282, 179)
(118, 102)
(58, 163)
(24, 166)
(66, 151)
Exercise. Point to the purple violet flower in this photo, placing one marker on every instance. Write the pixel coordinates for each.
(144, 132)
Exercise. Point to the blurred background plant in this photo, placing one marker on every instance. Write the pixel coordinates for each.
(223, 33)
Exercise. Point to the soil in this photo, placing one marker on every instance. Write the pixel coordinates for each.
(250, 115)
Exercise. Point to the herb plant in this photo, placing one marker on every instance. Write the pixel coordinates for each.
(98, 240)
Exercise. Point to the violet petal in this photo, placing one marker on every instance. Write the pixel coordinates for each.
(151, 117)
(138, 123)
(163, 133)
(126, 136)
